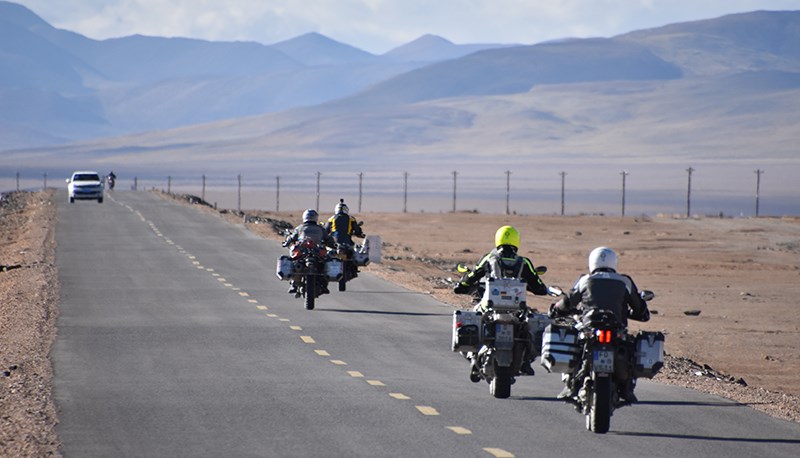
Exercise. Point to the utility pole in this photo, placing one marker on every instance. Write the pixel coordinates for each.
(563, 174)
(360, 178)
(239, 193)
(624, 174)
(455, 174)
(508, 192)
(169, 184)
(405, 192)
(318, 175)
(758, 188)
(203, 194)
(135, 183)
(277, 194)
(45, 181)
(689, 194)
(17, 181)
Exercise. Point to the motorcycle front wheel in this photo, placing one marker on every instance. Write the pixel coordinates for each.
(500, 386)
(311, 291)
(598, 419)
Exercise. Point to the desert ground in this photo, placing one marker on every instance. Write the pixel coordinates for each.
(740, 274)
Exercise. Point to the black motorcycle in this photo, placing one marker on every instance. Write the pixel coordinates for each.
(603, 359)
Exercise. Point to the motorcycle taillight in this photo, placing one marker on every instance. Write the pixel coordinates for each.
(603, 336)
(295, 253)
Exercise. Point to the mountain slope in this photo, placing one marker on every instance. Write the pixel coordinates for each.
(518, 69)
(316, 49)
(432, 48)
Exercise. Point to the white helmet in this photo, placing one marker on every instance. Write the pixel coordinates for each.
(602, 257)
(310, 215)
(341, 207)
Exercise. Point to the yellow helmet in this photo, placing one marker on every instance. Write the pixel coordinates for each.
(507, 235)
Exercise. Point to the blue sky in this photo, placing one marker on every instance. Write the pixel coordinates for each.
(380, 25)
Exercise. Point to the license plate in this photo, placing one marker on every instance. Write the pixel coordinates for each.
(504, 336)
(603, 361)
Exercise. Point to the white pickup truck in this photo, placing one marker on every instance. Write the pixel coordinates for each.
(85, 185)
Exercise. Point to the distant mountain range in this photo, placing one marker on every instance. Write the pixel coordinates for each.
(722, 92)
(57, 86)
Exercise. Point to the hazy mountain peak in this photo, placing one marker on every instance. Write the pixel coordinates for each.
(432, 48)
(20, 15)
(313, 48)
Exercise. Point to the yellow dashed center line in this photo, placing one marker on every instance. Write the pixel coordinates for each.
(236, 289)
(285, 320)
(427, 410)
(243, 294)
(227, 284)
(220, 279)
(376, 383)
(338, 362)
(295, 328)
(307, 339)
(253, 301)
(321, 352)
(272, 315)
(355, 374)
(399, 396)
(261, 307)
(200, 267)
(209, 269)
(192, 257)
(498, 452)
(215, 275)
(459, 430)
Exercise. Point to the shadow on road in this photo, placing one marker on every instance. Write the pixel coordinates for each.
(755, 440)
(383, 312)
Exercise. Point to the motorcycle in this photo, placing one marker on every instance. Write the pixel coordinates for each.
(352, 257)
(499, 341)
(309, 266)
(607, 360)
(111, 182)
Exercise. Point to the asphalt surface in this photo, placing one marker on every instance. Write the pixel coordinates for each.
(175, 338)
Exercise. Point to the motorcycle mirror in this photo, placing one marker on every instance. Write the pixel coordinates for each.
(554, 291)
(461, 268)
(541, 269)
(647, 295)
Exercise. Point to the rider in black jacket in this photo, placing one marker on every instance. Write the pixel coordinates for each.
(604, 288)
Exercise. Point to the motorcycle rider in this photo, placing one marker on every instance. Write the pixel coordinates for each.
(112, 179)
(311, 229)
(343, 227)
(503, 262)
(604, 288)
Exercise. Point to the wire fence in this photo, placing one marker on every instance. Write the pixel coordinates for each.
(449, 191)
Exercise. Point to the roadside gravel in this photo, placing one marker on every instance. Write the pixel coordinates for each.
(28, 312)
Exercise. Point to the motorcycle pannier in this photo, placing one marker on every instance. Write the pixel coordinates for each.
(285, 268)
(466, 331)
(361, 255)
(560, 348)
(505, 294)
(537, 322)
(333, 269)
(649, 356)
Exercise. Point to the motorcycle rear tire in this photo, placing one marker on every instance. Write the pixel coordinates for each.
(311, 292)
(500, 386)
(598, 420)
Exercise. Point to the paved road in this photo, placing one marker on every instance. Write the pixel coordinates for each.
(176, 339)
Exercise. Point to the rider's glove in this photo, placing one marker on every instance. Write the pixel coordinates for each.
(553, 313)
(461, 288)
